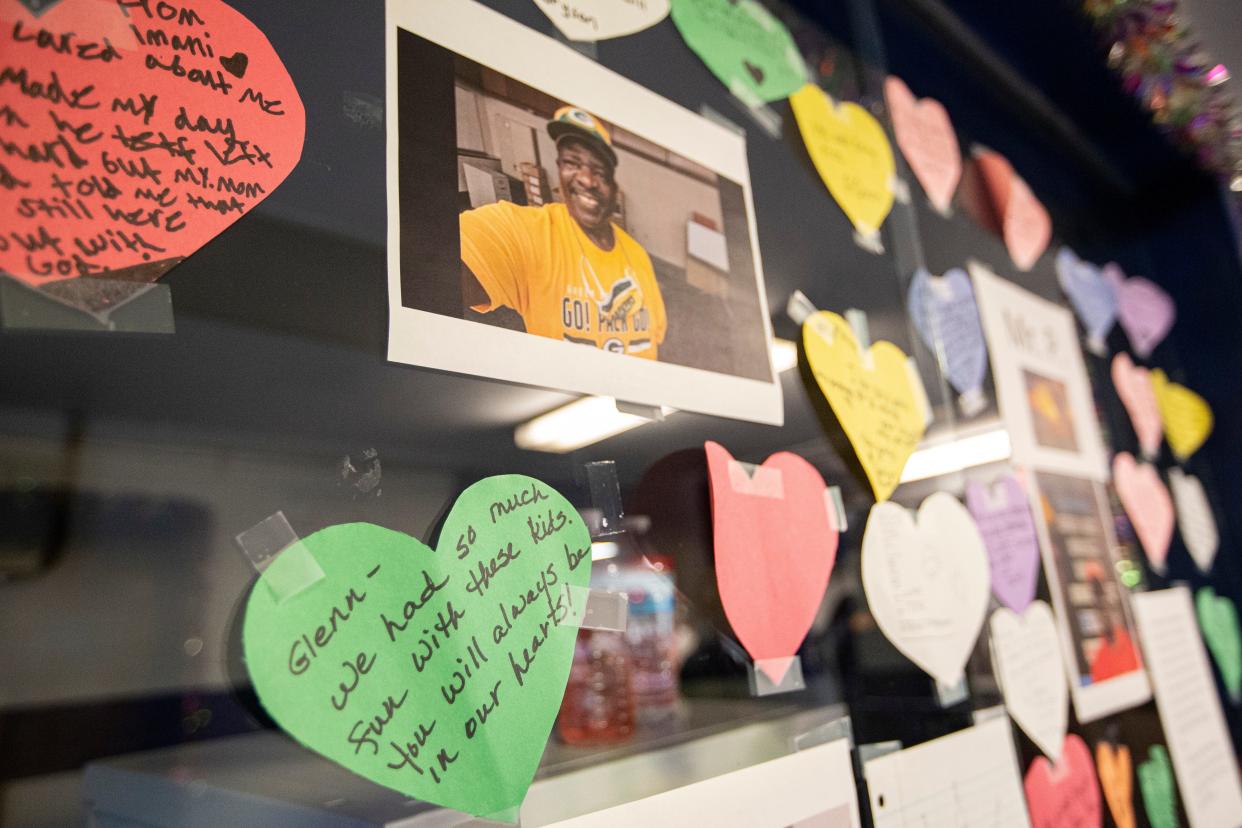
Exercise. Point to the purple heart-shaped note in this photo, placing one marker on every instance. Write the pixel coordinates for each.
(1145, 311)
(1093, 297)
(943, 309)
(1004, 519)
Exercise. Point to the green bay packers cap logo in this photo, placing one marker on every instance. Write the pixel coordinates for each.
(578, 123)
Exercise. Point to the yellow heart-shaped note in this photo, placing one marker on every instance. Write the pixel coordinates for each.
(876, 403)
(851, 152)
(1187, 417)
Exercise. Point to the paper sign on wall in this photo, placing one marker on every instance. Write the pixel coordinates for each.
(1094, 298)
(1116, 771)
(1187, 417)
(1147, 504)
(1080, 561)
(1064, 794)
(744, 45)
(926, 582)
(427, 670)
(1026, 654)
(1195, 520)
(927, 140)
(850, 150)
(776, 542)
(1146, 312)
(591, 20)
(813, 788)
(137, 133)
(1218, 620)
(871, 394)
(968, 779)
(1041, 382)
(946, 317)
(1134, 388)
(1003, 515)
(1194, 726)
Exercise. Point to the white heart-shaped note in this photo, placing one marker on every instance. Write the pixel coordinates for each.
(1194, 518)
(589, 20)
(1026, 655)
(927, 582)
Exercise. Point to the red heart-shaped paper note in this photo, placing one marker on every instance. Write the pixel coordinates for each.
(776, 542)
(133, 132)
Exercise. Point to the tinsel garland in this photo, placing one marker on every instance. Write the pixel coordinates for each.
(1154, 50)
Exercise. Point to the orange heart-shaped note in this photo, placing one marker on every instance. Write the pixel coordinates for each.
(1116, 772)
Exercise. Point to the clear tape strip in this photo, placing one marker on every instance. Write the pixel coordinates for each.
(596, 609)
(842, 728)
(799, 308)
(862, 332)
(836, 507)
(604, 491)
(760, 481)
(770, 676)
(273, 537)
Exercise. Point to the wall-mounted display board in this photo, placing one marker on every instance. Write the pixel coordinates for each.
(564, 414)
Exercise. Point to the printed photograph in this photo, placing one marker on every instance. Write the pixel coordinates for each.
(1080, 561)
(1051, 419)
(559, 239)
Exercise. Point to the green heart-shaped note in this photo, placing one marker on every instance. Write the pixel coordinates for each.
(435, 672)
(1156, 784)
(1218, 619)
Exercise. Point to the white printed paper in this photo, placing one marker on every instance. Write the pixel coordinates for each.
(1041, 381)
(813, 787)
(967, 779)
(1194, 726)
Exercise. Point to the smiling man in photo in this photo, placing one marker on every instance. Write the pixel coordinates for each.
(566, 268)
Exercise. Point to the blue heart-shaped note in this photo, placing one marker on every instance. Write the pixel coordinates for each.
(1093, 297)
(944, 311)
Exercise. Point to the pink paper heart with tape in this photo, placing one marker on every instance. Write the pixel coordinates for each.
(927, 140)
(1148, 505)
(1133, 384)
(776, 543)
(153, 129)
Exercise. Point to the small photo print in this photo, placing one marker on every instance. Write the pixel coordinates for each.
(1051, 418)
(1080, 556)
(553, 224)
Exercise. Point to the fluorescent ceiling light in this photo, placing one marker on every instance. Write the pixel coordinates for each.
(978, 449)
(603, 550)
(592, 419)
(580, 423)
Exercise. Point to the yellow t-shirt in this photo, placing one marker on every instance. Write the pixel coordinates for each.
(538, 261)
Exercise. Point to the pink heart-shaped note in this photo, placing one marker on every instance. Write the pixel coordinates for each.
(1025, 225)
(1145, 311)
(1148, 505)
(134, 133)
(776, 542)
(1133, 384)
(1064, 795)
(927, 140)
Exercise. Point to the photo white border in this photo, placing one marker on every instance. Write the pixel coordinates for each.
(995, 296)
(432, 340)
(1097, 699)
